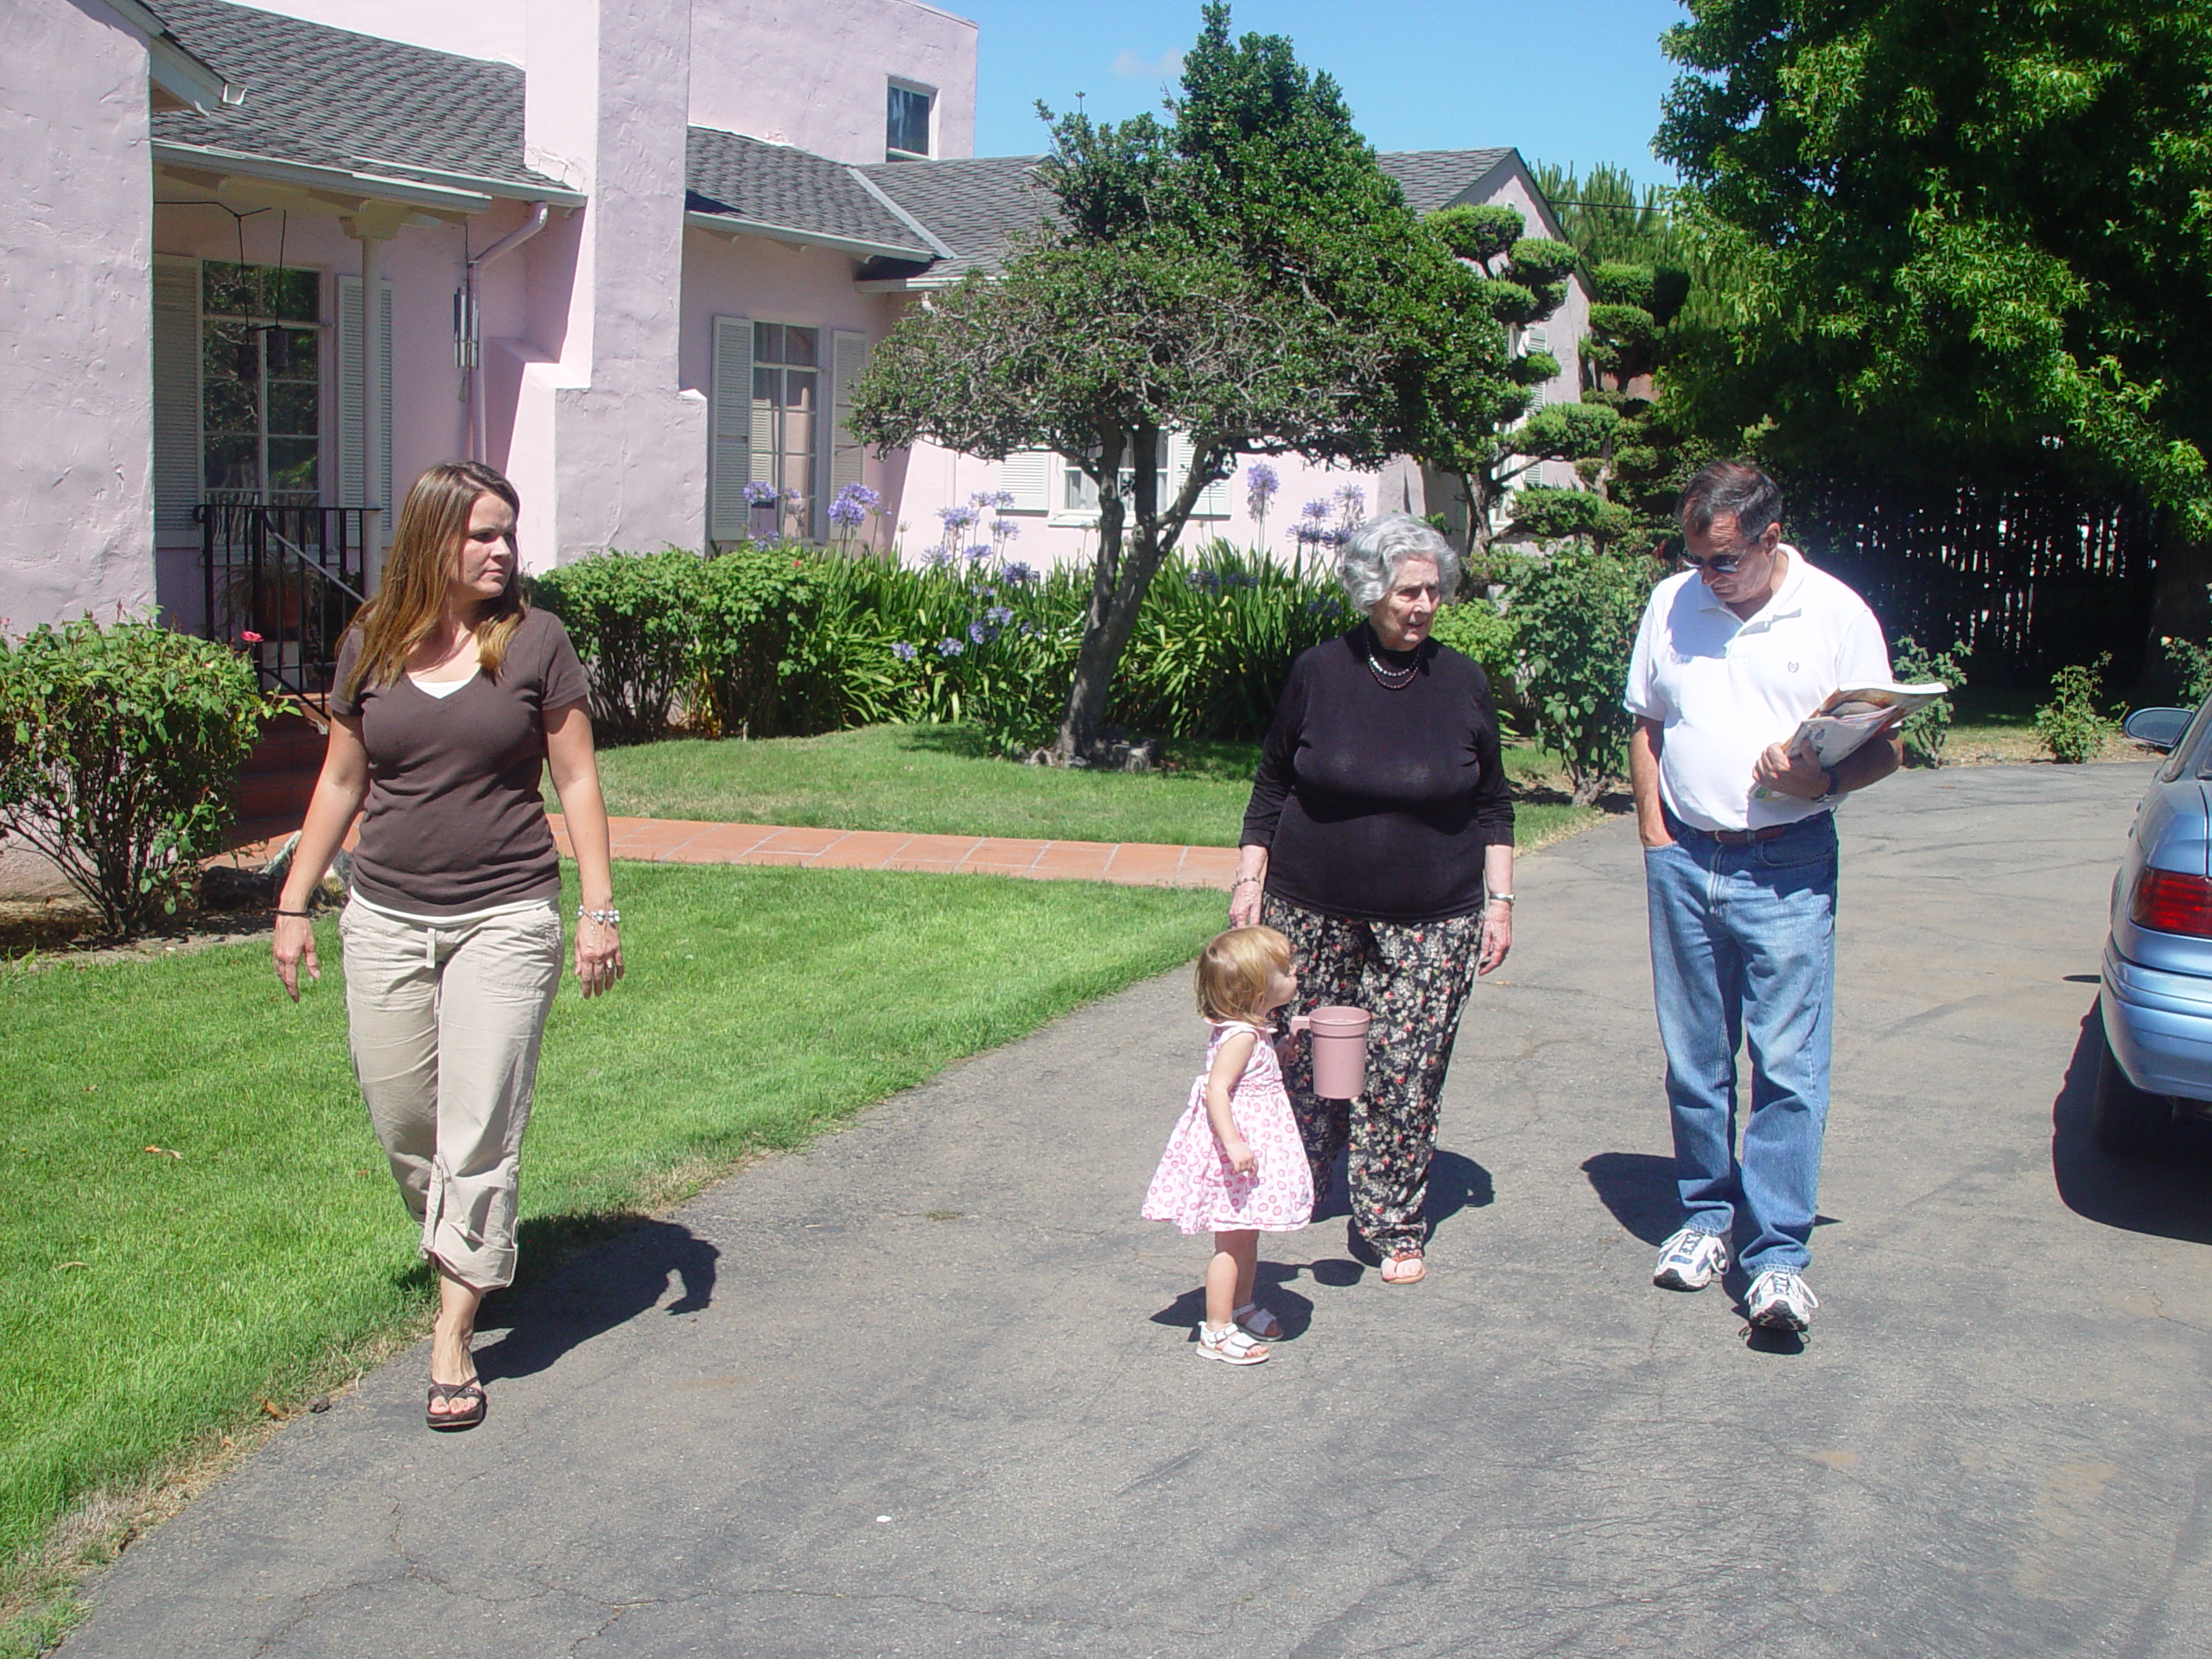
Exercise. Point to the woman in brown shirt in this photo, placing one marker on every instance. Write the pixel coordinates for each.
(452, 695)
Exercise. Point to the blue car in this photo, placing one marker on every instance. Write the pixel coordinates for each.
(2156, 995)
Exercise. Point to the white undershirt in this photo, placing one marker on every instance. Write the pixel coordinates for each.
(441, 689)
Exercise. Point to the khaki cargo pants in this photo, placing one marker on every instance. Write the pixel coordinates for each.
(446, 1022)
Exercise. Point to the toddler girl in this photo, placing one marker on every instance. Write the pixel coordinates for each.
(1234, 1161)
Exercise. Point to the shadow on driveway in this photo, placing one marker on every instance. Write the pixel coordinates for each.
(2171, 1196)
(591, 1293)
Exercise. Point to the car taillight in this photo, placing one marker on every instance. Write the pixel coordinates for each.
(2172, 903)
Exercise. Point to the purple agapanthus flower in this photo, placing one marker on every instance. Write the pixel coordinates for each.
(956, 518)
(999, 615)
(1314, 510)
(982, 635)
(950, 647)
(1353, 500)
(1005, 529)
(937, 558)
(852, 506)
(977, 552)
(761, 492)
(1017, 574)
(903, 651)
(1261, 483)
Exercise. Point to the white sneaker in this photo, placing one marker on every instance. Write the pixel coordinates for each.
(1691, 1260)
(1780, 1300)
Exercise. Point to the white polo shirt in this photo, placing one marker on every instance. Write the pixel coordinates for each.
(1724, 688)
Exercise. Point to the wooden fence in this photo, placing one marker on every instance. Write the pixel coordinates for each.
(2024, 578)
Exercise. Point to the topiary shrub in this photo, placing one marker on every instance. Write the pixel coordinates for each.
(633, 617)
(119, 749)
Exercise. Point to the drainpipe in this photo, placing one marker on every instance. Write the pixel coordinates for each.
(373, 371)
(479, 419)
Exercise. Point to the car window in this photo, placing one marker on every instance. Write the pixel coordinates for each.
(2192, 756)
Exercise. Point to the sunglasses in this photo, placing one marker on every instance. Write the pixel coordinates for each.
(1721, 564)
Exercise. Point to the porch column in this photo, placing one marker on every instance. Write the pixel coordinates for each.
(374, 370)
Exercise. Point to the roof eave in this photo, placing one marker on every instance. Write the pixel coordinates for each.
(553, 196)
(175, 68)
(370, 187)
(732, 224)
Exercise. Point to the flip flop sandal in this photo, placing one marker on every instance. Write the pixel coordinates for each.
(1403, 1268)
(1260, 1322)
(449, 1393)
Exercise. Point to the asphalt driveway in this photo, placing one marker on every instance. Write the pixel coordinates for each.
(927, 1387)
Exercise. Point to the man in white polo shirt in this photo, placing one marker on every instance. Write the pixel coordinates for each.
(1732, 653)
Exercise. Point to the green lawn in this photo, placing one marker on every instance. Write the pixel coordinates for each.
(154, 1301)
(938, 780)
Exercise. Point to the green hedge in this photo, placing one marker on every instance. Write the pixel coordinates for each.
(119, 749)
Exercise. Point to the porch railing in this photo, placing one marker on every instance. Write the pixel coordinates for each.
(291, 575)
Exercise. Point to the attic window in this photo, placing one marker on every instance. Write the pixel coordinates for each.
(906, 125)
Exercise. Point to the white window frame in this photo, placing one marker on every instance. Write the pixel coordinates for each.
(899, 83)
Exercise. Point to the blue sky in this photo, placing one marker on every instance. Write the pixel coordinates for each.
(1572, 81)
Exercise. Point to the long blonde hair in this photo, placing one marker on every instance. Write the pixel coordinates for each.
(418, 569)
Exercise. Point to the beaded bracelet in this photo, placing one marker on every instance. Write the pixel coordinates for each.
(608, 918)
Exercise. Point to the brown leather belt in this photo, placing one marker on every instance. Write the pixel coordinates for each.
(1743, 838)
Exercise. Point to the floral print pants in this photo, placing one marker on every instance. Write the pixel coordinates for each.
(1415, 980)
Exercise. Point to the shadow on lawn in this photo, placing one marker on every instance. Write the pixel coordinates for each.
(591, 1286)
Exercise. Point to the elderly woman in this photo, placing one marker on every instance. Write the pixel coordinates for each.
(1380, 839)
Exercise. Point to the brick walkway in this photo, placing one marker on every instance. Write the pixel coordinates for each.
(1137, 864)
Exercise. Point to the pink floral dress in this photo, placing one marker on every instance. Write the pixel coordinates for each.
(1195, 1187)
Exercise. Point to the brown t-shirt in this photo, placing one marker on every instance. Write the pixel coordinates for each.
(453, 821)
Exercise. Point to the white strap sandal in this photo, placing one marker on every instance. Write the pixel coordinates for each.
(1230, 1344)
(1257, 1320)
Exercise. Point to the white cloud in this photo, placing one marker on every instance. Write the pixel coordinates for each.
(1133, 67)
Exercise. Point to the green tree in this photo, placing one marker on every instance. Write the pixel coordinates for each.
(1244, 275)
(1964, 236)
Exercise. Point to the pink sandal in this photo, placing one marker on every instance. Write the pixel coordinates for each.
(1403, 1268)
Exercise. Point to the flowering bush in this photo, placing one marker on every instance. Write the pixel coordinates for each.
(775, 640)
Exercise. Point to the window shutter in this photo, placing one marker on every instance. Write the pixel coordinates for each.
(1028, 476)
(1213, 500)
(351, 493)
(176, 399)
(729, 461)
(848, 357)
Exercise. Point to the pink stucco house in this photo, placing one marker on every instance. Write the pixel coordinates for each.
(266, 263)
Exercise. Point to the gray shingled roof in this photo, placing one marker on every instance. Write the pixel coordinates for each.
(975, 207)
(974, 204)
(331, 97)
(1435, 179)
(748, 179)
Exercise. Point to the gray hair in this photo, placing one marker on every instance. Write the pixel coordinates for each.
(1368, 566)
(1736, 489)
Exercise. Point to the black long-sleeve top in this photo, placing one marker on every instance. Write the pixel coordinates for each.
(1375, 802)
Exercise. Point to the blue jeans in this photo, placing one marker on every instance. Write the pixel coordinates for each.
(1743, 946)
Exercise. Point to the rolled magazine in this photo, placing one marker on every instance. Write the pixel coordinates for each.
(1848, 716)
